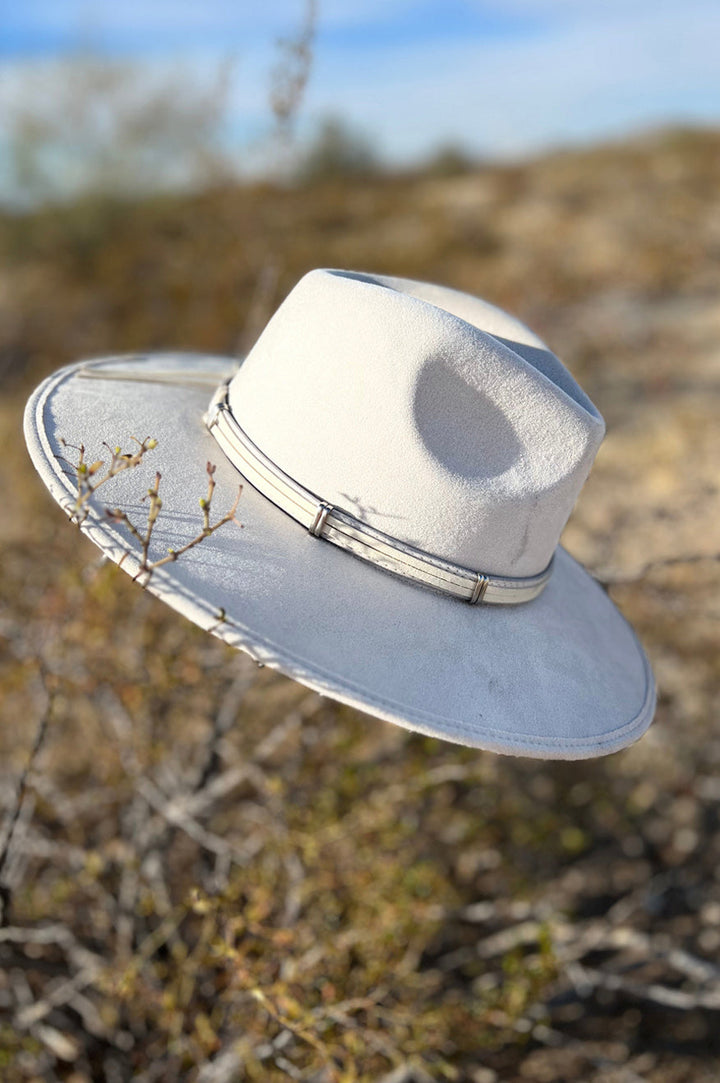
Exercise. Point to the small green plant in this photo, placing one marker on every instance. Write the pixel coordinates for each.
(90, 476)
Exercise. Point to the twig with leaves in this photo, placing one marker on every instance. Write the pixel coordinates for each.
(90, 476)
(147, 567)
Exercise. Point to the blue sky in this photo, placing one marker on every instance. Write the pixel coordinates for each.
(504, 78)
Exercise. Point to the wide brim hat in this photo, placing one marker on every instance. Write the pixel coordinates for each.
(440, 435)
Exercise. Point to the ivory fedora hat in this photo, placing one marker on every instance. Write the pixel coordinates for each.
(409, 456)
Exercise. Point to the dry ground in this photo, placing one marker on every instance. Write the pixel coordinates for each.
(218, 876)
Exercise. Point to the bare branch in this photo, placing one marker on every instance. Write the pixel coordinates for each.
(610, 578)
(14, 815)
(292, 72)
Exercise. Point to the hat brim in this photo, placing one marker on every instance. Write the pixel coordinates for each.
(561, 677)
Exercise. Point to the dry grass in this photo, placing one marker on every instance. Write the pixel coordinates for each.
(217, 876)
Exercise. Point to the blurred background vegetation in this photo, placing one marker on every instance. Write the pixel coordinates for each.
(216, 875)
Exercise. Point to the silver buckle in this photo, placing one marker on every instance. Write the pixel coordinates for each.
(481, 585)
(319, 521)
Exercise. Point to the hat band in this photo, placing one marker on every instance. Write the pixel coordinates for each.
(333, 524)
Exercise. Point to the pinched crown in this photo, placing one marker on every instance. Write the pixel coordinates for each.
(431, 415)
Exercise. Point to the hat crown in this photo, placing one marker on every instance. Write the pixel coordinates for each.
(426, 413)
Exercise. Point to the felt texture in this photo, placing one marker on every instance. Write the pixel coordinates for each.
(429, 414)
(561, 677)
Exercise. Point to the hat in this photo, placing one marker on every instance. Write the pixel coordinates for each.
(409, 456)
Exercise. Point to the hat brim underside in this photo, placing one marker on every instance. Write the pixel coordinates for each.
(561, 677)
